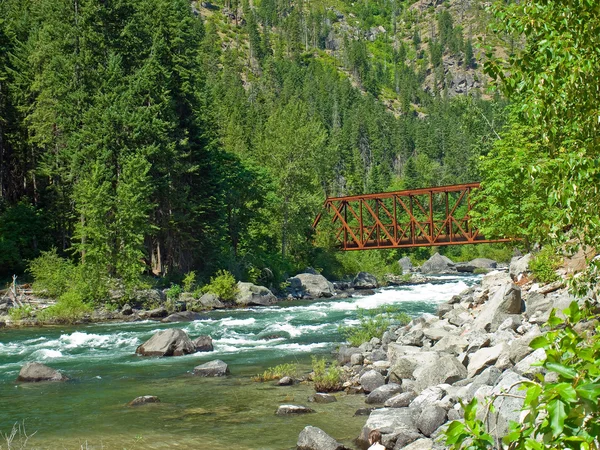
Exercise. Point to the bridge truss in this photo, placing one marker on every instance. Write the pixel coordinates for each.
(413, 218)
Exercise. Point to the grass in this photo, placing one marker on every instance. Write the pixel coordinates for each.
(277, 372)
(373, 323)
(326, 379)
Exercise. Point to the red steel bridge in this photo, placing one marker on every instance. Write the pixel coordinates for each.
(413, 218)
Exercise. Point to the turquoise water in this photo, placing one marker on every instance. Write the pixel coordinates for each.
(194, 413)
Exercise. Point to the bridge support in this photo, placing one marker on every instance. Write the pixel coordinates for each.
(403, 219)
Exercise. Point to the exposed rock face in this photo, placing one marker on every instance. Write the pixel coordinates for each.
(285, 410)
(33, 372)
(365, 280)
(216, 368)
(203, 344)
(406, 265)
(438, 264)
(252, 295)
(171, 342)
(143, 400)
(183, 316)
(311, 285)
(313, 438)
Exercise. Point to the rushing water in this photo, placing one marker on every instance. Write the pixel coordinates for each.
(194, 413)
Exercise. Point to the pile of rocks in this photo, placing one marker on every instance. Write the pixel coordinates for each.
(476, 346)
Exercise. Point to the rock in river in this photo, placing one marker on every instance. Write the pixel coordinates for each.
(285, 410)
(313, 438)
(216, 368)
(183, 316)
(144, 399)
(171, 342)
(203, 344)
(251, 294)
(33, 372)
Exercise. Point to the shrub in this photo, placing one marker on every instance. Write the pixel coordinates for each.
(52, 274)
(223, 285)
(20, 313)
(277, 372)
(69, 308)
(373, 323)
(564, 414)
(544, 264)
(189, 281)
(326, 379)
(173, 292)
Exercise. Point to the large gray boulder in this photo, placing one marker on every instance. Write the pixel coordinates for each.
(405, 265)
(493, 280)
(285, 410)
(420, 444)
(430, 419)
(252, 295)
(313, 438)
(477, 263)
(507, 409)
(371, 380)
(438, 264)
(388, 421)
(519, 266)
(345, 354)
(210, 301)
(312, 285)
(383, 393)
(485, 357)
(183, 316)
(171, 342)
(405, 366)
(364, 280)
(451, 344)
(216, 368)
(33, 372)
(505, 301)
(400, 400)
(448, 369)
(203, 344)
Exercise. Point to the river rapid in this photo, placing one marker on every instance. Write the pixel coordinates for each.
(231, 413)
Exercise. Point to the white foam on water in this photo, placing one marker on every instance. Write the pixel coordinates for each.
(45, 353)
(285, 327)
(231, 322)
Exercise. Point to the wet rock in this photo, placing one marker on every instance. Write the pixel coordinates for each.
(312, 285)
(365, 280)
(430, 419)
(322, 398)
(183, 316)
(143, 400)
(313, 438)
(252, 295)
(363, 411)
(34, 372)
(216, 368)
(371, 380)
(400, 400)
(438, 264)
(383, 393)
(156, 313)
(203, 344)
(285, 410)
(171, 342)
(285, 381)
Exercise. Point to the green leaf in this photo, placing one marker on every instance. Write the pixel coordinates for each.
(557, 415)
(539, 342)
(564, 371)
(589, 391)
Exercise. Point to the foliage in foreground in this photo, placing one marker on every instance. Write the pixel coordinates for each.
(558, 415)
(277, 372)
(326, 379)
(373, 323)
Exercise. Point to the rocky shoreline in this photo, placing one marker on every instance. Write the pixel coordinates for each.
(415, 378)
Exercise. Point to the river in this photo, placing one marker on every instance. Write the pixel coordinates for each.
(231, 413)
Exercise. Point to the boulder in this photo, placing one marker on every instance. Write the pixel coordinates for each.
(183, 316)
(216, 368)
(313, 438)
(156, 313)
(404, 438)
(400, 400)
(438, 264)
(405, 365)
(430, 419)
(171, 342)
(252, 295)
(448, 369)
(203, 344)
(313, 285)
(420, 444)
(528, 367)
(127, 310)
(451, 344)
(210, 301)
(364, 280)
(519, 266)
(477, 263)
(357, 359)
(383, 393)
(484, 358)
(33, 372)
(345, 354)
(322, 398)
(507, 409)
(505, 301)
(387, 421)
(371, 380)
(285, 410)
(285, 381)
(143, 400)
(405, 265)
(492, 280)
(427, 397)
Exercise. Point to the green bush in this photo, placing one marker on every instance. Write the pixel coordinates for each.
(173, 292)
(564, 414)
(326, 379)
(277, 372)
(69, 308)
(373, 323)
(223, 285)
(543, 265)
(20, 313)
(189, 281)
(52, 274)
